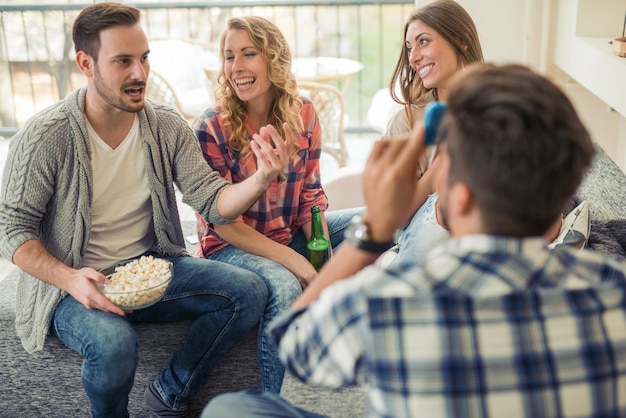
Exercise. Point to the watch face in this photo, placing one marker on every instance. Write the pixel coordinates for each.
(357, 232)
(361, 232)
(357, 235)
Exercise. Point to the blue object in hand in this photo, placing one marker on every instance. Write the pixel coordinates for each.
(433, 114)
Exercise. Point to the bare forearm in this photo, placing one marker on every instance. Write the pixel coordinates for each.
(34, 259)
(250, 240)
(235, 199)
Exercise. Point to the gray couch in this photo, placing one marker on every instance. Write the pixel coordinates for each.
(48, 384)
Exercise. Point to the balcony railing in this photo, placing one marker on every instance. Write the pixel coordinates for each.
(36, 51)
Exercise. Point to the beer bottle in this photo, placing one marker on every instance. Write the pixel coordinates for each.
(318, 246)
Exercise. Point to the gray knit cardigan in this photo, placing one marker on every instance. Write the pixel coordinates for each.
(47, 191)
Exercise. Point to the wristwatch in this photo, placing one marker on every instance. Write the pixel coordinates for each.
(358, 236)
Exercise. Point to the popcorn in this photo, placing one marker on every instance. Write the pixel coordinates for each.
(139, 283)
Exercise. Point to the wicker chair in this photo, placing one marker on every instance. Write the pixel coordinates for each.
(159, 89)
(178, 74)
(328, 103)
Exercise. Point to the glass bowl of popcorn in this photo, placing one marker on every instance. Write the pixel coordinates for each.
(137, 283)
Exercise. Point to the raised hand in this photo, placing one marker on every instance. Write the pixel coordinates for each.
(272, 152)
(389, 183)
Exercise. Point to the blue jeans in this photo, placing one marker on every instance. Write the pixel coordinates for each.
(223, 301)
(421, 235)
(284, 288)
(248, 403)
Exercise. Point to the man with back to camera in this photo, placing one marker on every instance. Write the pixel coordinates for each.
(493, 323)
(89, 182)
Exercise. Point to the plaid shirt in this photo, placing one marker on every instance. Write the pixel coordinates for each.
(487, 327)
(286, 204)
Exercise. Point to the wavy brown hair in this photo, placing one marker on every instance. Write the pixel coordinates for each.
(271, 43)
(450, 20)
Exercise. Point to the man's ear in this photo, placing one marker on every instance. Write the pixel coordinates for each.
(462, 199)
(85, 63)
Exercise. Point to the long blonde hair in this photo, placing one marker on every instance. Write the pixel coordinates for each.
(456, 26)
(271, 43)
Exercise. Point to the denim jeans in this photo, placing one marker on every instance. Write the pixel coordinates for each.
(248, 403)
(223, 301)
(284, 288)
(421, 235)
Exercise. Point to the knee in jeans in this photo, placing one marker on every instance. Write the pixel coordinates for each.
(117, 345)
(285, 292)
(254, 297)
(110, 360)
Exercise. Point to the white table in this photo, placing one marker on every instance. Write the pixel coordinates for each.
(325, 69)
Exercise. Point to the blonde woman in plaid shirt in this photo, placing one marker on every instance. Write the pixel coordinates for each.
(257, 97)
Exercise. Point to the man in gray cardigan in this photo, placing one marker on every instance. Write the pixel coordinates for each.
(89, 182)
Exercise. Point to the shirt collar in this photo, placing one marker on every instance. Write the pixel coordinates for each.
(488, 244)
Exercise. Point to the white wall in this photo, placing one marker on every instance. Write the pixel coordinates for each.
(525, 31)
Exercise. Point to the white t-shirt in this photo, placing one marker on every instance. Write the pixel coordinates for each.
(121, 224)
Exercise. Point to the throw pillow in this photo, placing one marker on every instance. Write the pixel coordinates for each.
(608, 236)
(575, 229)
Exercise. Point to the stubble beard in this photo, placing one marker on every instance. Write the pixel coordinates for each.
(107, 95)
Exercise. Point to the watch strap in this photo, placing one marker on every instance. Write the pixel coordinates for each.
(357, 234)
(372, 247)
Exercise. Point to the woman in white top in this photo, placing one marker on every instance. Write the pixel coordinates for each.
(440, 39)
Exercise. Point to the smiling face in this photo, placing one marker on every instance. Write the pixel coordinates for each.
(246, 69)
(119, 75)
(431, 56)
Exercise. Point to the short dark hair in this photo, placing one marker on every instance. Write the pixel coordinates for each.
(97, 17)
(515, 139)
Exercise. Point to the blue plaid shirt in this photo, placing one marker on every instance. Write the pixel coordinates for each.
(487, 327)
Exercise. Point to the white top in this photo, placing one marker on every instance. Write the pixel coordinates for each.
(121, 224)
(398, 127)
